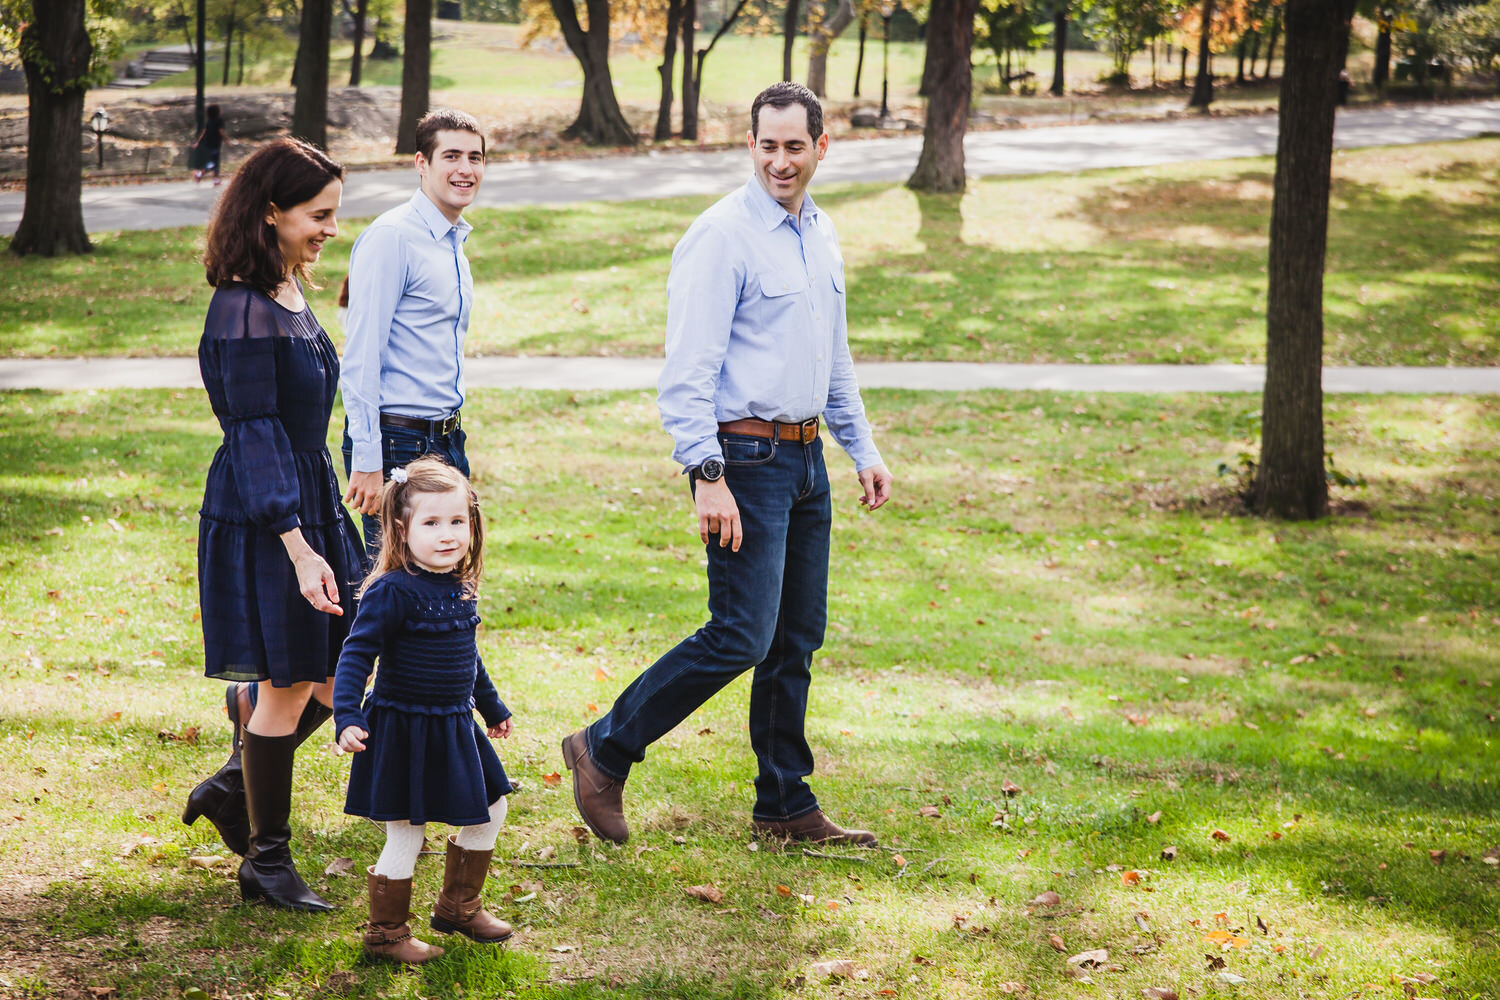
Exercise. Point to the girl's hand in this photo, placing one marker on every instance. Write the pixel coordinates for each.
(499, 732)
(351, 740)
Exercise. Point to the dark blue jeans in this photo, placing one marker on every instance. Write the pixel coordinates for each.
(768, 607)
(398, 446)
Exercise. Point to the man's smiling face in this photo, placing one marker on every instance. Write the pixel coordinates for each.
(451, 178)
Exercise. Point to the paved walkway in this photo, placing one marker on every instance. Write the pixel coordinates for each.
(656, 174)
(585, 374)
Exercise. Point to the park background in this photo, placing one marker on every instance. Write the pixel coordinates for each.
(1088, 703)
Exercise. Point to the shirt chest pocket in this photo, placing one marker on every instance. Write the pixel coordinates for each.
(781, 286)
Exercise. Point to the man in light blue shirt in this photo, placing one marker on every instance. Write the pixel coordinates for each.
(757, 351)
(410, 295)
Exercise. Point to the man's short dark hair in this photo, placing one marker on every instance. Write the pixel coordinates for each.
(784, 95)
(444, 120)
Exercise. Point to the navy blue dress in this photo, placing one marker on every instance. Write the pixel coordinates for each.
(426, 759)
(271, 375)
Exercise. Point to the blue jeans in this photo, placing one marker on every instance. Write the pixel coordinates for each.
(398, 446)
(768, 607)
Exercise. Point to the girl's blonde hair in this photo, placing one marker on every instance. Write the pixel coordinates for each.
(428, 474)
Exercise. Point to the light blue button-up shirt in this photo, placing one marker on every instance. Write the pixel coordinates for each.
(756, 328)
(410, 292)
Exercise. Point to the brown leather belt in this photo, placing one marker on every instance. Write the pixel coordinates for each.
(432, 428)
(773, 430)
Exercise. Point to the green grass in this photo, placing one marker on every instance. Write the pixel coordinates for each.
(1163, 264)
(1058, 596)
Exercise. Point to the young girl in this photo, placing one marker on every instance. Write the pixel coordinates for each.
(420, 754)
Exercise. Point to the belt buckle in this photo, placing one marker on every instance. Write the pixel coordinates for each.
(448, 425)
(809, 430)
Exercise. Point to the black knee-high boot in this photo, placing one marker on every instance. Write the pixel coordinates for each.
(221, 796)
(267, 871)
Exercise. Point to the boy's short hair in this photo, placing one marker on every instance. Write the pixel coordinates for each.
(444, 120)
(784, 95)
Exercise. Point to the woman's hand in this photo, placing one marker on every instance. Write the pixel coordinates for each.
(315, 577)
(351, 740)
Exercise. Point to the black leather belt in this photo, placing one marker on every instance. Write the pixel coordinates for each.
(432, 428)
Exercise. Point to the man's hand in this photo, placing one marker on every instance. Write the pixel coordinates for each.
(876, 481)
(364, 492)
(718, 514)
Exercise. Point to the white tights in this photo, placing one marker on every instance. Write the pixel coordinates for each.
(403, 842)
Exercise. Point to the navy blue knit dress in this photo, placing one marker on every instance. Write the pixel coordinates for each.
(271, 375)
(426, 758)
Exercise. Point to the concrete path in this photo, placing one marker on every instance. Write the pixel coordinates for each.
(640, 373)
(666, 174)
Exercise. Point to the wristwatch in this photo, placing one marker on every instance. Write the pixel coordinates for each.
(710, 471)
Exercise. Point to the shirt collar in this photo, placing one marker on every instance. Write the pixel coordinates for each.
(437, 223)
(769, 210)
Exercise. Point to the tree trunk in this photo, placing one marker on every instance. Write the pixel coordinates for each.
(1382, 56)
(929, 69)
(228, 48)
(600, 121)
(1254, 51)
(357, 61)
(829, 28)
(859, 64)
(416, 74)
(1203, 84)
(310, 107)
(1271, 44)
(1290, 481)
(1239, 68)
(1182, 71)
(692, 70)
(57, 41)
(1059, 46)
(950, 46)
(789, 36)
(665, 70)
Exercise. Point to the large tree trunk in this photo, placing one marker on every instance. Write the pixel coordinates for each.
(950, 45)
(357, 62)
(56, 54)
(1203, 84)
(1059, 46)
(668, 65)
(823, 34)
(1290, 481)
(1382, 55)
(310, 107)
(416, 74)
(692, 70)
(600, 121)
(789, 35)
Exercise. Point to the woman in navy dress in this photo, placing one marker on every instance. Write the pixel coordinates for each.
(277, 557)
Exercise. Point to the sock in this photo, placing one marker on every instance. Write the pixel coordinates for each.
(403, 842)
(482, 837)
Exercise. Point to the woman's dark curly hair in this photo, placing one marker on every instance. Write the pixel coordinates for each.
(241, 243)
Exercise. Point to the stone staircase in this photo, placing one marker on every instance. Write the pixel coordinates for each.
(155, 65)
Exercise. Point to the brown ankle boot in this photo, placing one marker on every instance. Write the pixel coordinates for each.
(459, 909)
(387, 935)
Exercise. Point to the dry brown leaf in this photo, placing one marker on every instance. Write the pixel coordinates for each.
(1010, 788)
(1154, 817)
(1219, 835)
(1057, 943)
(931, 812)
(339, 867)
(899, 860)
(1438, 856)
(1096, 956)
(837, 968)
(707, 893)
(1048, 898)
(1077, 973)
(206, 861)
(581, 834)
(1169, 853)
(1492, 856)
(1013, 988)
(1158, 993)
(1130, 878)
(552, 780)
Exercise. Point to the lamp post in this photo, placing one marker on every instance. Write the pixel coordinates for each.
(886, 10)
(100, 124)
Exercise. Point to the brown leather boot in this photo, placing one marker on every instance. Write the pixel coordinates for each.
(815, 828)
(599, 798)
(388, 935)
(459, 909)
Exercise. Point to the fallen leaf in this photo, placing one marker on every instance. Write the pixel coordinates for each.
(1261, 925)
(1226, 937)
(1130, 878)
(1169, 853)
(1097, 956)
(837, 968)
(1010, 788)
(552, 780)
(1492, 856)
(707, 894)
(1076, 972)
(1158, 993)
(563, 949)
(1273, 834)
(136, 843)
(899, 860)
(339, 867)
(784, 892)
(1013, 988)
(1438, 856)
(1219, 835)
(1214, 961)
(1316, 953)
(931, 812)
(547, 853)
(1048, 898)
(1230, 979)
(1154, 817)
(1056, 941)
(602, 674)
(581, 834)
(206, 861)
(103, 992)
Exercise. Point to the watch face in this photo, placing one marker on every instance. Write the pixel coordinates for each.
(712, 470)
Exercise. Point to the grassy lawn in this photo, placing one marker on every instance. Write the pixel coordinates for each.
(1163, 264)
(1058, 598)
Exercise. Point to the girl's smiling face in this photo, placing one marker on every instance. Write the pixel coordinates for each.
(302, 229)
(437, 533)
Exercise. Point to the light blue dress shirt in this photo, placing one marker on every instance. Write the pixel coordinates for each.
(410, 293)
(756, 328)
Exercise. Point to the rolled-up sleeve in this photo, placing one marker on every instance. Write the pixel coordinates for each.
(377, 279)
(703, 290)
